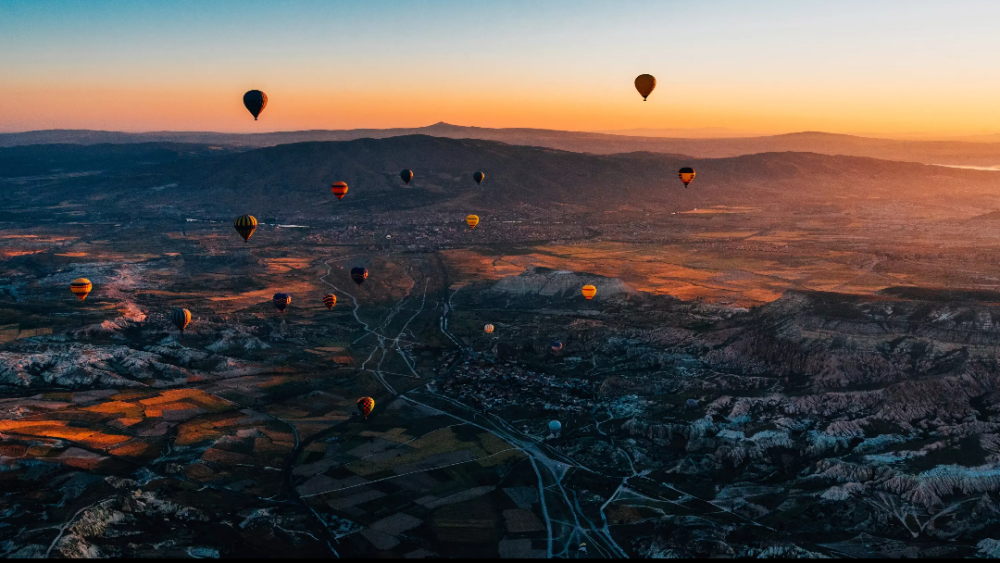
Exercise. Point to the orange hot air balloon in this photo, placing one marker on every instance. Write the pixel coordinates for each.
(365, 405)
(245, 226)
(339, 189)
(329, 300)
(686, 174)
(81, 287)
(488, 329)
(472, 221)
(645, 83)
(589, 291)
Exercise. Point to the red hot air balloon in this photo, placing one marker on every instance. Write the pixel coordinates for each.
(339, 189)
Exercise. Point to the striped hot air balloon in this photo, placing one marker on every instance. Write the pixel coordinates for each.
(181, 318)
(329, 300)
(81, 287)
(589, 291)
(488, 329)
(472, 221)
(365, 405)
(281, 301)
(339, 189)
(245, 226)
(686, 174)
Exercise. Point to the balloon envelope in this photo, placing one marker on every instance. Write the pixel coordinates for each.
(488, 329)
(181, 318)
(245, 226)
(359, 274)
(645, 83)
(472, 221)
(255, 102)
(686, 174)
(81, 287)
(329, 300)
(365, 405)
(281, 301)
(556, 346)
(589, 292)
(555, 426)
(339, 189)
(406, 175)
(479, 177)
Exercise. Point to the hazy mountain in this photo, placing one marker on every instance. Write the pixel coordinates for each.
(296, 177)
(927, 152)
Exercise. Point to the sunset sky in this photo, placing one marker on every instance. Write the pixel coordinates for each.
(889, 67)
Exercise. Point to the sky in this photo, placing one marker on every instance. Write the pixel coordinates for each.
(889, 67)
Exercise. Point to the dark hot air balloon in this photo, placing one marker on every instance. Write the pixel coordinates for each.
(406, 175)
(339, 189)
(365, 405)
(281, 301)
(245, 226)
(686, 174)
(359, 275)
(81, 287)
(329, 300)
(255, 101)
(556, 346)
(645, 83)
(479, 177)
(181, 318)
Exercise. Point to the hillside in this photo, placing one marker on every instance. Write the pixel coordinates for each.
(295, 178)
(964, 153)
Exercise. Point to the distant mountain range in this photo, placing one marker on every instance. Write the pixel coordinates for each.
(926, 152)
(296, 178)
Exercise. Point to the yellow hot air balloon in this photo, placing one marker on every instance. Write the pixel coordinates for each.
(589, 291)
(488, 329)
(81, 287)
(645, 83)
(686, 174)
(472, 221)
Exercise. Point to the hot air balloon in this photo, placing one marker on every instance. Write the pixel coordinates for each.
(479, 177)
(329, 300)
(686, 174)
(359, 275)
(472, 221)
(589, 291)
(181, 318)
(406, 175)
(365, 405)
(645, 83)
(339, 189)
(555, 426)
(245, 226)
(255, 101)
(556, 346)
(81, 287)
(488, 329)
(691, 403)
(281, 300)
